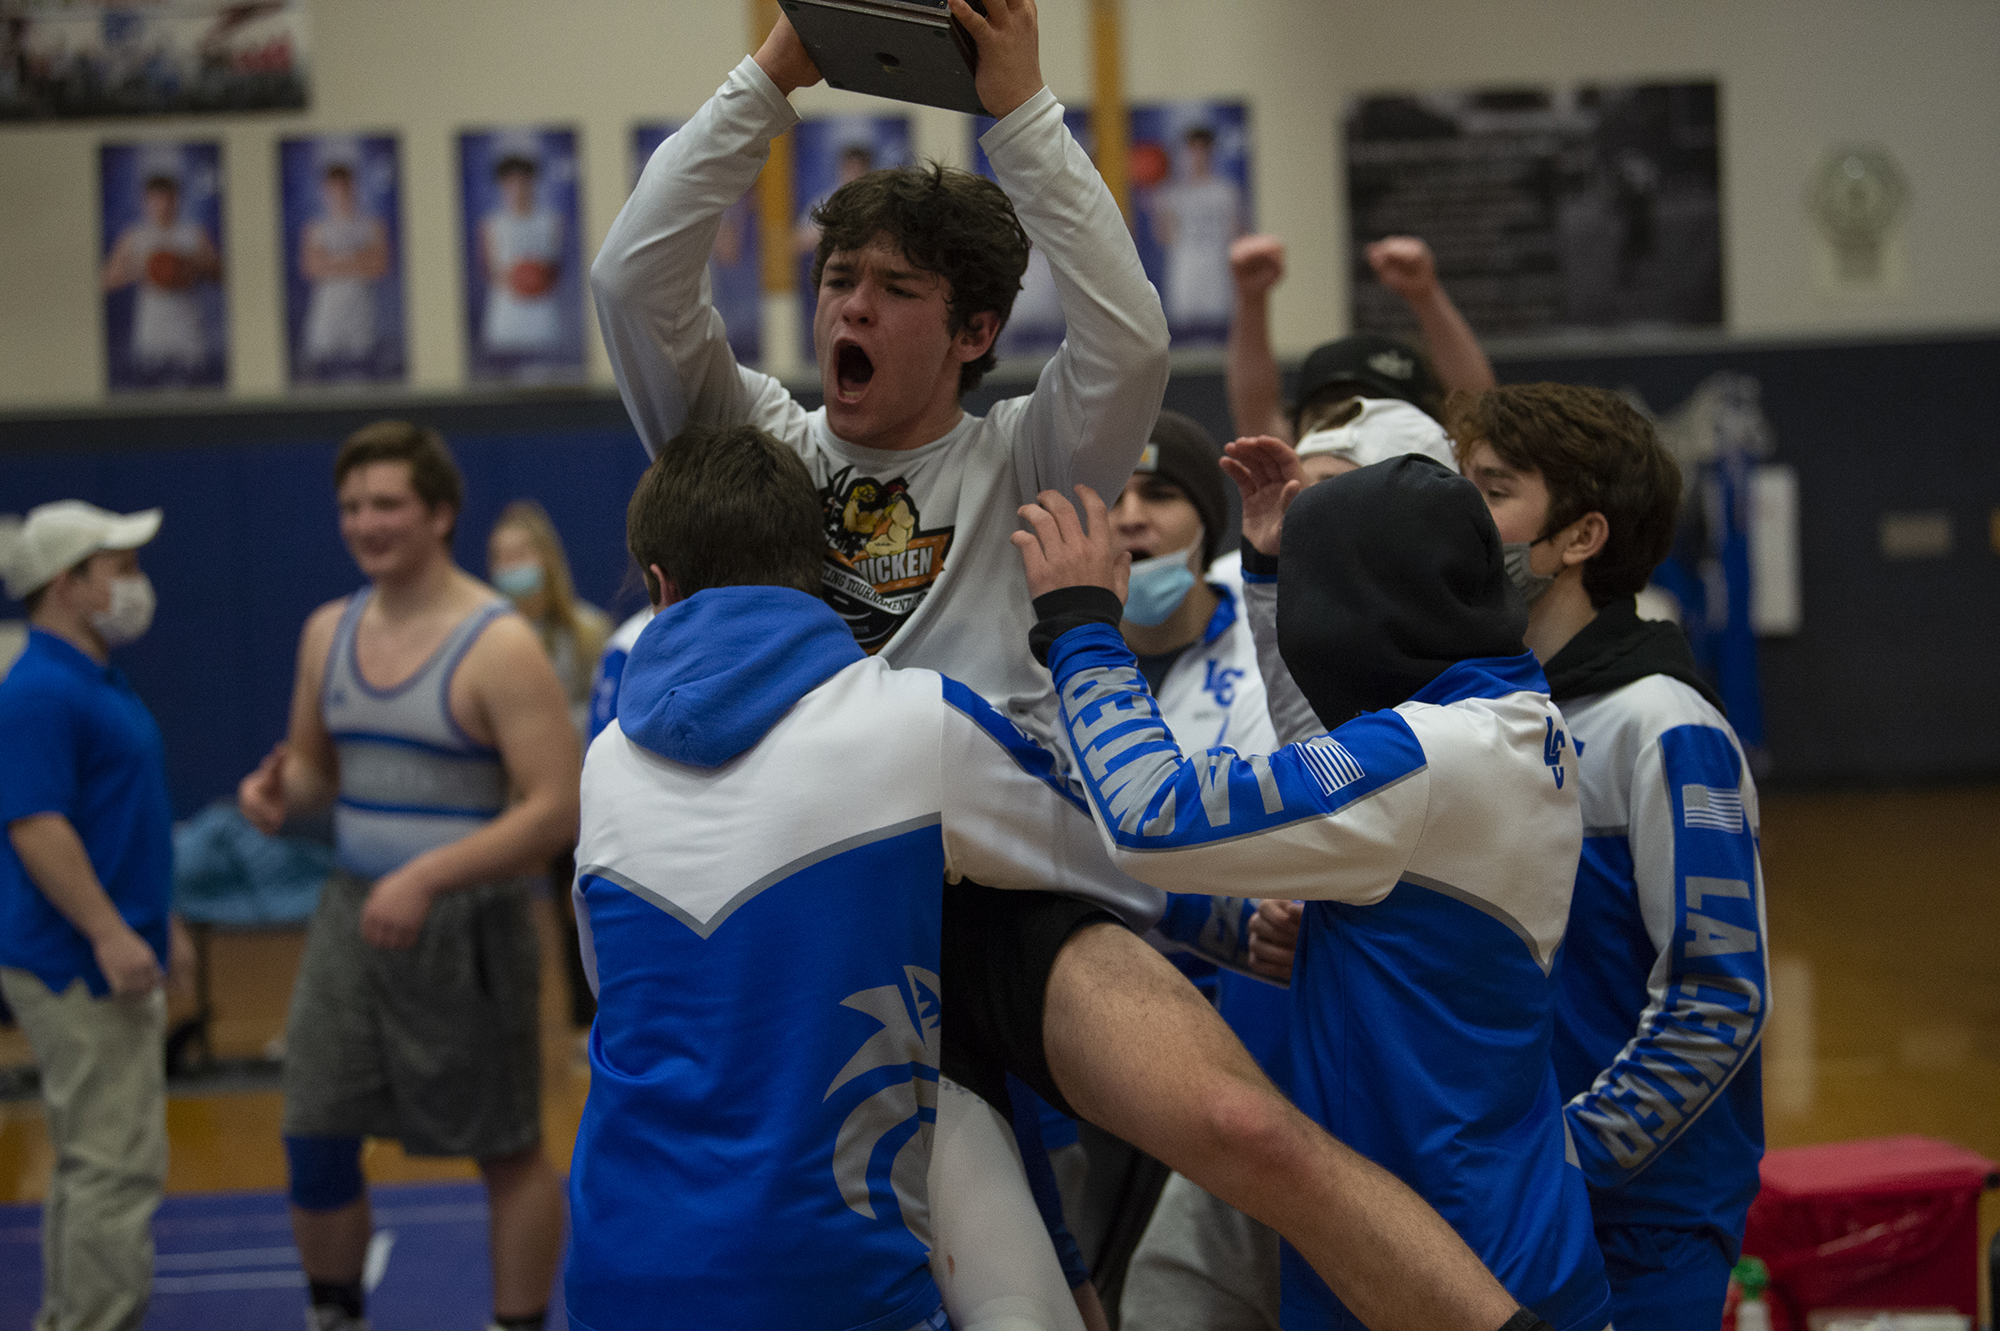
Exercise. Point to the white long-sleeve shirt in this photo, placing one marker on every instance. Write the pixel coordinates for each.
(918, 559)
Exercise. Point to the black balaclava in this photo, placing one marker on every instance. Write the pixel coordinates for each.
(1386, 577)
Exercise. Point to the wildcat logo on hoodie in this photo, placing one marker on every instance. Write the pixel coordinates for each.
(880, 560)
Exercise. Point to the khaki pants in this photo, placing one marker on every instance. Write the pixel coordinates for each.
(1202, 1266)
(104, 1091)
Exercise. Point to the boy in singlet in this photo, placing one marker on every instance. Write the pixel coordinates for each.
(419, 704)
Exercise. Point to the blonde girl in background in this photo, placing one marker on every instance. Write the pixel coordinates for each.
(526, 564)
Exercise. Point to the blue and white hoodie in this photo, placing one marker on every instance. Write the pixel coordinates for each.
(767, 830)
(1666, 977)
(1435, 844)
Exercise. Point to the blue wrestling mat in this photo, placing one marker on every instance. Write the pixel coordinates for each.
(226, 1263)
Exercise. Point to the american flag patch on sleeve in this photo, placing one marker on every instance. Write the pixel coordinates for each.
(1713, 807)
(1331, 764)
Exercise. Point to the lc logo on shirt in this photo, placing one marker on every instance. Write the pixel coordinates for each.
(880, 559)
(1552, 749)
(1221, 683)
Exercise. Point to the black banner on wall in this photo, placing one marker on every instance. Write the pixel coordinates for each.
(1549, 210)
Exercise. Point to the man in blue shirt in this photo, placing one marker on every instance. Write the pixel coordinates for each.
(86, 872)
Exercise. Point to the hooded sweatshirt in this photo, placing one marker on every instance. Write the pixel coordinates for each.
(1666, 975)
(767, 828)
(1433, 835)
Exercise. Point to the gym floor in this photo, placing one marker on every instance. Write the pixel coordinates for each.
(1885, 920)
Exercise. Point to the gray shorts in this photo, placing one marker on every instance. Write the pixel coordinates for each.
(438, 1046)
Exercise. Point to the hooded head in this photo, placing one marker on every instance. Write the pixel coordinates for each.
(1387, 577)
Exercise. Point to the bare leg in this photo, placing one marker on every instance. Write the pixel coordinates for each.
(333, 1245)
(524, 1202)
(1135, 1050)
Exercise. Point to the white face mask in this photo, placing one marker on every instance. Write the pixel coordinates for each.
(130, 613)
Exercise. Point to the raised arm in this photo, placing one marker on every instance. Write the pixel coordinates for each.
(1405, 265)
(1250, 368)
(1701, 893)
(518, 706)
(667, 342)
(1093, 407)
(1337, 817)
(1268, 475)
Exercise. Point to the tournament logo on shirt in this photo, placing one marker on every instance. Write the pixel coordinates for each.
(880, 560)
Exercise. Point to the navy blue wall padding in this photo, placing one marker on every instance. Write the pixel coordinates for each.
(325, 1171)
(1890, 680)
(250, 545)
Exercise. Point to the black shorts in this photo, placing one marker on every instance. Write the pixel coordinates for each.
(999, 948)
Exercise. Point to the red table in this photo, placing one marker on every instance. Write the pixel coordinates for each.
(1892, 1222)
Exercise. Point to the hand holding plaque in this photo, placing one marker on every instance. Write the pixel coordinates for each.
(980, 56)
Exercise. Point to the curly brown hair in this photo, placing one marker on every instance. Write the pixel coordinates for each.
(1596, 454)
(946, 221)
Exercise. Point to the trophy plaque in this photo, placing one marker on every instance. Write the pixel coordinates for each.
(905, 50)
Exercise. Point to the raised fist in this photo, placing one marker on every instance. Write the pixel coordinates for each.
(1403, 264)
(529, 278)
(1257, 263)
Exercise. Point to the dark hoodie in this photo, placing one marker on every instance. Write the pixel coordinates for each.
(711, 675)
(1619, 648)
(1388, 576)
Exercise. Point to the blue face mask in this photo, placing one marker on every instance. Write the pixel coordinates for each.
(1158, 586)
(521, 580)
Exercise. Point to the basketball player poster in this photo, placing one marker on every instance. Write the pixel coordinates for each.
(1190, 174)
(1036, 326)
(1189, 169)
(166, 325)
(827, 152)
(735, 264)
(341, 242)
(523, 256)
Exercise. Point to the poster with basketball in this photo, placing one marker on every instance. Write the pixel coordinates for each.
(524, 299)
(1190, 174)
(340, 231)
(1189, 167)
(166, 324)
(1035, 328)
(735, 262)
(828, 152)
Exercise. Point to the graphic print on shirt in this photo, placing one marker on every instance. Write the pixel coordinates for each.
(909, 1038)
(880, 559)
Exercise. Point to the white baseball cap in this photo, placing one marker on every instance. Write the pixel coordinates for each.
(63, 534)
(1385, 428)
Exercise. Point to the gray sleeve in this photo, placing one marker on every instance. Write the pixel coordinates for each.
(1291, 715)
(1093, 408)
(666, 340)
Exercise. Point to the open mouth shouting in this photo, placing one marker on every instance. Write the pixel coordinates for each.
(852, 371)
